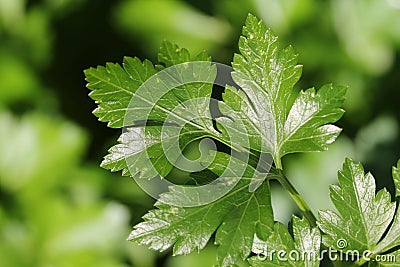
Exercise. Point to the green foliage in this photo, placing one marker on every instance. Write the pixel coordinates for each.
(53, 216)
(304, 246)
(267, 115)
(113, 88)
(364, 217)
(58, 209)
(112, 82)
(267, 76)
(396, 178)
(235, 218)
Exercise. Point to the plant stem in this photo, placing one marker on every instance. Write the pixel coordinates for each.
(278, 163)
(301, 203)
(359, 263)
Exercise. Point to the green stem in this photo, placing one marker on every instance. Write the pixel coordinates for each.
(282, 179)
(359, 263)
(301, 203)
(363, 261)
(278, 163)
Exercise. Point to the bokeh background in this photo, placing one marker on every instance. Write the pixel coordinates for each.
(58, 208)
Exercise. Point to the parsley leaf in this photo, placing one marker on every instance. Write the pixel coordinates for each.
(262, 112)
(282, 250)
(235, 218)
(396, 178)
(143, 146)
(159, 115)
(363, 216)
(113, 87)
(267, 76)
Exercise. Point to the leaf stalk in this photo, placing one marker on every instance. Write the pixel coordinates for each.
(298, 199)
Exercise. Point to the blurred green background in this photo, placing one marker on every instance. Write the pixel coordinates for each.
(58, 208)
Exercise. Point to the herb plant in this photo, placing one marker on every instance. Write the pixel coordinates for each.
(265, 116)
